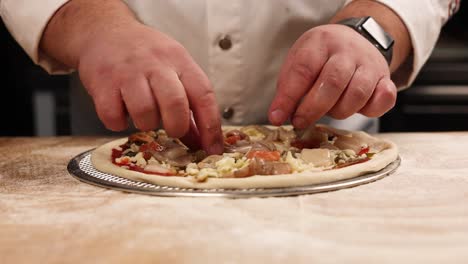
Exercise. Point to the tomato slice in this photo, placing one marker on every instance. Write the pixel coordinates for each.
(231, 140)
(116, 153)
(264, 155)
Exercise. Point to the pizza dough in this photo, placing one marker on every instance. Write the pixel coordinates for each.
(101, 159)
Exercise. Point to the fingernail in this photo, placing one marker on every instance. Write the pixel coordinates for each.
(299, 122)
(278, 116)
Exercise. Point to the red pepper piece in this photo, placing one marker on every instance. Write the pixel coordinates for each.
(363, 151)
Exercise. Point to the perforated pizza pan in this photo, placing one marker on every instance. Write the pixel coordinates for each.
(81, 168)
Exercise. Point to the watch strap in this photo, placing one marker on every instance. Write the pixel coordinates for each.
(374, 33)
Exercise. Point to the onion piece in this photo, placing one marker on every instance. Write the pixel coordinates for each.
(318, 157)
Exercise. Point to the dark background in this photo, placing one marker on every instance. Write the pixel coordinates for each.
(36, 104)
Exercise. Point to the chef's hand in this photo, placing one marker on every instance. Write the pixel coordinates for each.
(150, 75)
(332, 70)
(130, 68)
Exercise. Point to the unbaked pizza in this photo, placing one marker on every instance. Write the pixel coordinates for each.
(254, 157)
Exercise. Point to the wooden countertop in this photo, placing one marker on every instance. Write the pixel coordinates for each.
(417, 215)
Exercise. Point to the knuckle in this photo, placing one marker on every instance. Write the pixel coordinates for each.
(358, 94)
(334, 81)
(364, 80)
(171, 48)
(390, 94)
(177, 104)
(103, 70)
(338, 76)
(118, 80)
(302, 69)
(207, 99)
(322, 33)
(289, 99)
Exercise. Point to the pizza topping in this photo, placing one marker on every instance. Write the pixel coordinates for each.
(210, 161)
(317, 157)
(152, 146)
(364, 150)
(116, 154)
(160, 170)
(346, 164)
(123, 160)
(235, 135)
(297, 164)
(142, 137)
(231, 140)
(248, 151)
(260, 166)
(264, 155)
(228, 165)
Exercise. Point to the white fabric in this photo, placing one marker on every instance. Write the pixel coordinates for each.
(423, 19)
(244, 77)
(26, 21)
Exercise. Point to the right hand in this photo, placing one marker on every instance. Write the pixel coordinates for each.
(142, 72)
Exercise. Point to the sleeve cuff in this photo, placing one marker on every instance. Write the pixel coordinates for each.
(26, 21)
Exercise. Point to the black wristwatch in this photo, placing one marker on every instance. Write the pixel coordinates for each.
(372, 31)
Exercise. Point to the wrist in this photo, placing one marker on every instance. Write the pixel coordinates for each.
(368, 28)
(77, 24)
(388, 20)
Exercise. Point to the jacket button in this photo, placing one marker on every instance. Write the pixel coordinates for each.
(228, 112)
(225, 43)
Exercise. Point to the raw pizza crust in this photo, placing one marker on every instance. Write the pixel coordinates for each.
(101, 159)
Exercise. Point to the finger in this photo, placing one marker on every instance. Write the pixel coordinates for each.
(383, 99)
(205, 108)
(110, 108)
(141, 104)
(297, 75)
(172, 101)
(356, 95)
(325, 92)
(192, 138)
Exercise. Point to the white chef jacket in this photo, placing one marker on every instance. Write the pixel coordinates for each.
(261, 32)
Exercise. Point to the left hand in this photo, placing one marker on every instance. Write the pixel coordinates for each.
(332, 70)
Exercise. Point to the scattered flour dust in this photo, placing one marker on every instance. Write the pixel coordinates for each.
(52, 152)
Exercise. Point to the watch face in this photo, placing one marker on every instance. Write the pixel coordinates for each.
(379, 35)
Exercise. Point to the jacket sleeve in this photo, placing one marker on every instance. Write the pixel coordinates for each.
(26, 21)
(424, 20)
